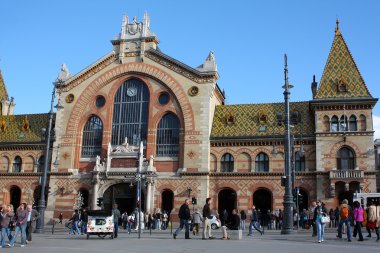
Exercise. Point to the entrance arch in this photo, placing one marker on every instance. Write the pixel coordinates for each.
(262, 199)
(227, 200)
(167, 200)
(15, 196)
(124, 195)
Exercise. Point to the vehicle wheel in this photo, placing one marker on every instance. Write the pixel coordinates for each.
(88, 236)
(214, 226)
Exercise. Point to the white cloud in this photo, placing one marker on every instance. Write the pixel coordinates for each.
(376, 126)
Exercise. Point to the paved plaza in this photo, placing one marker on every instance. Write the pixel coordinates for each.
(162, 241)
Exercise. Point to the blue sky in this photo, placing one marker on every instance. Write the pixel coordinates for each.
(248, 38)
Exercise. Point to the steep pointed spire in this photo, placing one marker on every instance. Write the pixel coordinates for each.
(3, 89)
(341, 77)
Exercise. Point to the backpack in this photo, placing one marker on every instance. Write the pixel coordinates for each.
(344, 212)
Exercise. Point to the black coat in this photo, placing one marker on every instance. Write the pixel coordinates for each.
(184, 212)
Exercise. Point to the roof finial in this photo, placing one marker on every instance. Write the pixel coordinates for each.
(337, 25)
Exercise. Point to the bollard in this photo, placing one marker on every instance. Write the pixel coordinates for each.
(150, 229)
(52, 229)
(171, 227)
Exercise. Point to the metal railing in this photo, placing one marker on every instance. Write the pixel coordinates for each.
(346, 174)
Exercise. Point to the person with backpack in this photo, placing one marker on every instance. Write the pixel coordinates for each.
(345, 213)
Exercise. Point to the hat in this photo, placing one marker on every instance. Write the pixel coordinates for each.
(345, 201)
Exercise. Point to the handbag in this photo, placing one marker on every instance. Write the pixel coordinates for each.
(325, 219)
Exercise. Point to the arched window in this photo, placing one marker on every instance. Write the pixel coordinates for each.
(41, 164)
(334, 124)
(363, 123)
(130, 113)
(262, 163)
(343, 123)
(345, 159)
(17, 163)
(300, 162)
(227, 163)
(326, 123)
(352, 124)
(168, 136)
(5, 164)
(92, 137)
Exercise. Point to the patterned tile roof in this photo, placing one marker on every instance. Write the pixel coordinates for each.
(246, 120)
(340, 70)
(3, 89)
(23, 128)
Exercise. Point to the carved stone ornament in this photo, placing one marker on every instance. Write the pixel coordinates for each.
(134, 27)
(193, 91)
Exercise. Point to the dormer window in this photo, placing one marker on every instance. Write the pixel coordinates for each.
(342, 86)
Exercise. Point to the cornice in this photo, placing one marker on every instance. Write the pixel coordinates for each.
(33, 174)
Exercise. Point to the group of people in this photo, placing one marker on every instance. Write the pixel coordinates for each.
(77, 222)
(17, 222)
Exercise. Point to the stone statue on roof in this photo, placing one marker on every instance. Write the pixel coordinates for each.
(64, 75)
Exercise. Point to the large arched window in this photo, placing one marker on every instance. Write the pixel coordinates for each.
(300, 162)
(352, 126)
(262, 162)
(17, 163)
(168, 136)
(334, 124)
(345, 159)
(227, 163)
(130, 113)
(92, 137)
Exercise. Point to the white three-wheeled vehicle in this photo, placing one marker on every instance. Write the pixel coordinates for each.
(100, 223)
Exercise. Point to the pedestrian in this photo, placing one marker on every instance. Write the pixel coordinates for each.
(319, 212)
(84, 221)
(158, 219)
(233, 224)
(345, 214)
(21, 223)
(164, 220)
(75, 221)
(358, 220)
(243, 218)
(336, 213)
(184, 217)
(311, 217)
(268, 220)
(206, 213)
(224, 217)
(60, 218)
(116, 216)
(33, 216)
(196, 219)
(373, 217)
(332, 217)
(124, 218)
(254, 222)
(6, 215)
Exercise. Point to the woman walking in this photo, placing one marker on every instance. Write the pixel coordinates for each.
(319, 212)
(358, 219)
(6, 216)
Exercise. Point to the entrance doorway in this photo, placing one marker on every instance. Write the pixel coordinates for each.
(15, 194)
(124, 195)
(167, 199)
(226, 201)
(262, 199)
(303, 200)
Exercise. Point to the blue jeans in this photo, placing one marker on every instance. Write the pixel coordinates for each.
(254, 224)
(5, 232)
(20, 228)
(348, 225)
(74, 228)
(181, 224)
(84, 227)
(242, 225)
(115, 228)
(320, 229)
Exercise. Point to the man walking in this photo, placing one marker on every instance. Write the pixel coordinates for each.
(207, 220)
(345, 213)
(33, 216)
(254, 222)
(184, 217)
(116, 216)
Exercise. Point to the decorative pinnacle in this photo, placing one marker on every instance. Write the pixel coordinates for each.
(337, 25)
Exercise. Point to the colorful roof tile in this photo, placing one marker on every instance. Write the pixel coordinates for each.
(3, 89)
(341, 77)
(23, 128)
(257, 120)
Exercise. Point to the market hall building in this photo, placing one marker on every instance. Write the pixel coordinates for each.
(193, 143)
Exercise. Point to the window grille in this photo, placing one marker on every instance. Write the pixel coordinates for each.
(168, 136)
(130, 113)
(92, 137)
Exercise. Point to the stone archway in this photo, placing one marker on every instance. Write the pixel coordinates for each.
(227, 200)
(167, 201)
(262, 199)
(15, 196)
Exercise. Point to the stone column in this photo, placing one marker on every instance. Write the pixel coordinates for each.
(149, 196)
(95, 193)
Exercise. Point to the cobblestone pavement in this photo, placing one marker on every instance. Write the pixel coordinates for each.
(162, 241)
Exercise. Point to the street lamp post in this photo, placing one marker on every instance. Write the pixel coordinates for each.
(287, 227)
(138, 179)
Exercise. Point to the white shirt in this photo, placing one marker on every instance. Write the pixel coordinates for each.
(29, 216)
